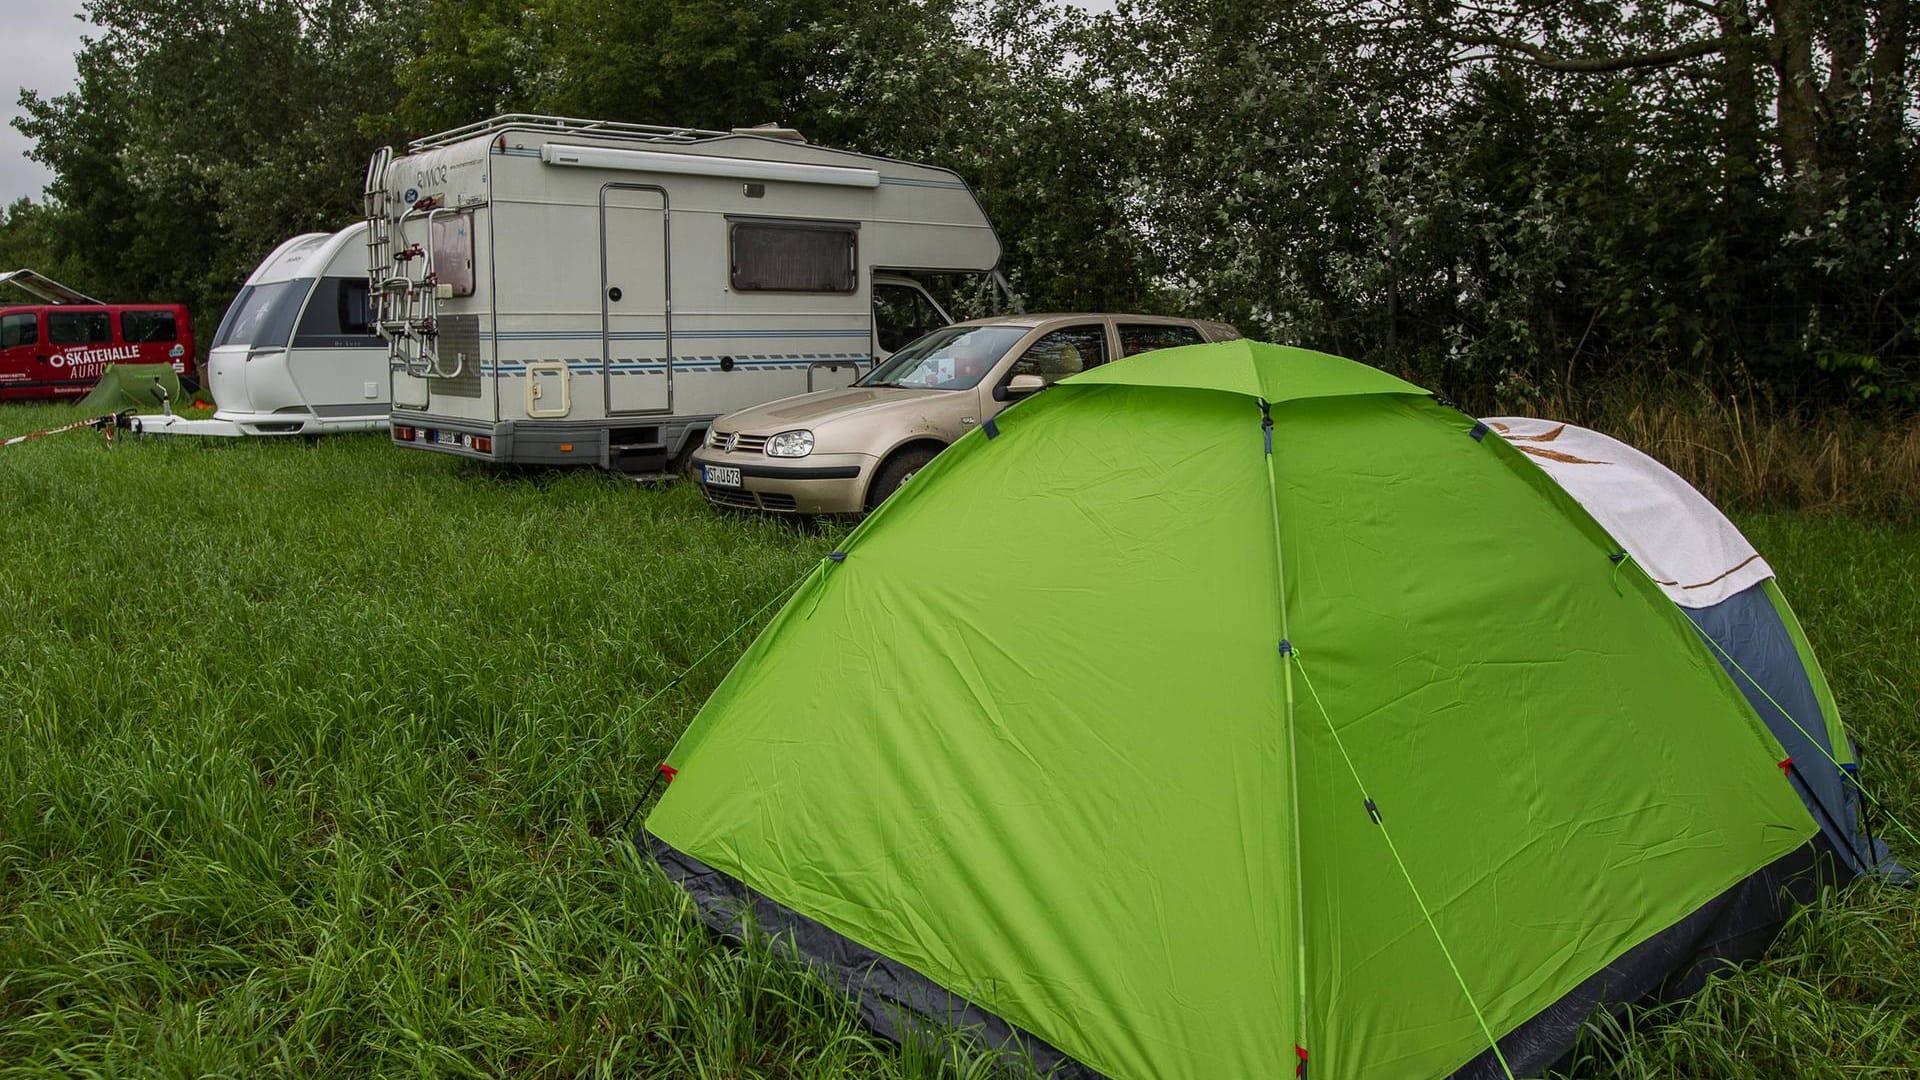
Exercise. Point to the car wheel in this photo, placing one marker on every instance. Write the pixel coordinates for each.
(682, 465)
(897, 470)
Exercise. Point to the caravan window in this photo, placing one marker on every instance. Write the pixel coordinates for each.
(797, 256)
(262, 315)
(79, 328)
(136, 326)
(338, 317)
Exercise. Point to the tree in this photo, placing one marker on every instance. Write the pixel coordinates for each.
(202, 133)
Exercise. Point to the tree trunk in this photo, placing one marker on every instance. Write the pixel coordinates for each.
(1888, 97)
(1797, 108)
(1737, 66)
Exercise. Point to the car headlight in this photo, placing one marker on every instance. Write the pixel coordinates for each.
(790, 444)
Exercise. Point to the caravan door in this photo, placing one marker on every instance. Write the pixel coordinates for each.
(337, 362)
(636, 324)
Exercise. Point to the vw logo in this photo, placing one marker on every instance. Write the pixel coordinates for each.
(412, 196)
(733, 440)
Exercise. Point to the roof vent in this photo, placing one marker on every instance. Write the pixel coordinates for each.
(772, 131)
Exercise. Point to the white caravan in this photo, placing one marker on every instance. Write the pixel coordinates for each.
(296, 353)
(565, 291)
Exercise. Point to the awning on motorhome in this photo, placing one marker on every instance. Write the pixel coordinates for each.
(606, 157)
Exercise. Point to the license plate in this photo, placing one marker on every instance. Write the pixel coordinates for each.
(720, 475)
(447, 438)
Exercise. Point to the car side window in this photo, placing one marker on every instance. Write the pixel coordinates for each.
(1067, 351)
(1136, 338)
(79, 328)
(22, 328)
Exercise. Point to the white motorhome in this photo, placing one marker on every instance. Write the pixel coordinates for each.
(296, 353)
(562, 291)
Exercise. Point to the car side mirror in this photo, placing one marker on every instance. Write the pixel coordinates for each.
(1025, 384)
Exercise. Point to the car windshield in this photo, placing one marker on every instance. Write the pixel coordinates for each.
(262, 315)
(951, 358)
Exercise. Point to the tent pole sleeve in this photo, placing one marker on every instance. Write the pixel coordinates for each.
(1293, 756)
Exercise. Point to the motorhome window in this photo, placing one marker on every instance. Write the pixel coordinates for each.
(953, 358)
(140, 326)
(453, 252)
(338, 316)
(22, 328)
(800, 257)
(79, 328)
(902, 313)
(262, 315)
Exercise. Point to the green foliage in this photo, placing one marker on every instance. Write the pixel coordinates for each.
(1497, 197)
(201, 135)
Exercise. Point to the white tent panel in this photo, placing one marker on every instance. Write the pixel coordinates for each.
(1670, 529)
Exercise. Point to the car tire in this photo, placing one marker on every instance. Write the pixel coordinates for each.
(893, 472)
(682, 464)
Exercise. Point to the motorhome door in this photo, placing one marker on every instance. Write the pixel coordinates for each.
(636, 322)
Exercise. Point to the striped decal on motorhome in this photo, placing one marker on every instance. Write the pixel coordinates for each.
(592, 365)
(658, 335)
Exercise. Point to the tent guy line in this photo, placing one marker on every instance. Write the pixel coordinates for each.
(1852, 776)
(1292, 653)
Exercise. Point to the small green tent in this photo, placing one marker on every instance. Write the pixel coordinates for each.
(1233, 710)
(141, 387)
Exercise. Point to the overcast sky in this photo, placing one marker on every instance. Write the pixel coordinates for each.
(41, 38)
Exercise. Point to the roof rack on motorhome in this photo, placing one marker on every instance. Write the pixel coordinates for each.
(564, 125)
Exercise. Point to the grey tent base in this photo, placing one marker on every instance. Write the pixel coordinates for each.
(896, 1001)
(1731, 929)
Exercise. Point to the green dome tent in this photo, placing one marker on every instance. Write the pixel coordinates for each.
(1235, 710)
(133, 386)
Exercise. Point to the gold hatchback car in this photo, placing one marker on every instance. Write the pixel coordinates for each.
(842, 451)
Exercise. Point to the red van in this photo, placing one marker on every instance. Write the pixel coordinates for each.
(59, 350)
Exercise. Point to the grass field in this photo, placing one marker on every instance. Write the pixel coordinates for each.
(277, 718)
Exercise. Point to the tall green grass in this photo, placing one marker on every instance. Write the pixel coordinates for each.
(1743, 450)
(275, 720)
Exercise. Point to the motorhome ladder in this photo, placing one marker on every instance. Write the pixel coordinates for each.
(404, 285)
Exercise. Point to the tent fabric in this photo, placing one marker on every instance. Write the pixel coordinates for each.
(1672, 530)
(1761, 659)
(899, 1002)
(1275, 373)
(894, 999)
(1677, 535)
(133, 386)
(1064, 733)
